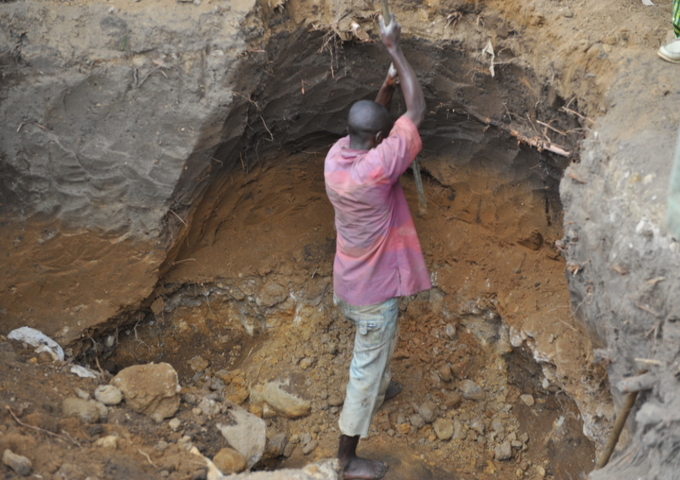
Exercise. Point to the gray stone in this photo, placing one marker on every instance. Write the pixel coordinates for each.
(161, 445)
(245, 433)
(321, 470)
(498, 426)
(428, 410)
(281, 395)
(477, 425)
(69, 470)
(209, 407)
(416, 420)
(459, 431)
(151, 389)
(503, 451)
(309, 447)
(86, 410)
(443, 428)
(217, 385)
(275, 446)
(471, 391)
(288, 450)
(108, 394)
(20, 464)
(271, 294)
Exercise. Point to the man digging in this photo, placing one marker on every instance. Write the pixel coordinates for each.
(378, 256)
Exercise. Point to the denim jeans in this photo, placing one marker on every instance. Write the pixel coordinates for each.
(369, 371)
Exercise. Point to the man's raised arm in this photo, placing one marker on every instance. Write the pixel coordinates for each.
(413, 93)
(384, 97)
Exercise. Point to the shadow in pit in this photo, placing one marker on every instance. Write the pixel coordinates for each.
(405, 465)
(553, 422)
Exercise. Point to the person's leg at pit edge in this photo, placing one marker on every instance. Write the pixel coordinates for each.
(671, 51)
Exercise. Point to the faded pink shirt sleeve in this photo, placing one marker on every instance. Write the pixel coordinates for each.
(400, 148)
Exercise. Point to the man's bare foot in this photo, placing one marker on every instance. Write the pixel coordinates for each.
(357, 467)
(393, 390)
(364, 469)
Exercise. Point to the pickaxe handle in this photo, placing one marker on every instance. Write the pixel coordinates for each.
(386, 12)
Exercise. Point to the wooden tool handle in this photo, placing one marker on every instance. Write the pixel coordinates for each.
(386, 12)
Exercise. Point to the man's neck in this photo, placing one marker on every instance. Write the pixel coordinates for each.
(357, 144)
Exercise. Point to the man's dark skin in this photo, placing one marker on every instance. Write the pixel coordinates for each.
(369, 123)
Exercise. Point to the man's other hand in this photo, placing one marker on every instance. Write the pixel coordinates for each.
(392, 75)
(389, 34)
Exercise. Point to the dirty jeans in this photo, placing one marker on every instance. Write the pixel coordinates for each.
(369, 372)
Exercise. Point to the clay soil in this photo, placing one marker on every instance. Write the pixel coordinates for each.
(495, 278)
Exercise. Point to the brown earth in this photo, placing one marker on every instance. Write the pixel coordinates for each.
(489, 240)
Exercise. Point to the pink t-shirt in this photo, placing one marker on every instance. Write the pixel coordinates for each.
(378, 255)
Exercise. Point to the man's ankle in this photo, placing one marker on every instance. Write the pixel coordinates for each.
(347, 448)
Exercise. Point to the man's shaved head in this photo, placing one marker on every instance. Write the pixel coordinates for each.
(367, 118)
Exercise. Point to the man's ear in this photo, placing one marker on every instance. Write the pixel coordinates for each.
(379, 137)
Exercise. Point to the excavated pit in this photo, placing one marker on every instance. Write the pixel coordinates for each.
(248, 286)
(161, 199)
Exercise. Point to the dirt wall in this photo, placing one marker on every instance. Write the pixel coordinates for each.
(111, 115)
(625, 262)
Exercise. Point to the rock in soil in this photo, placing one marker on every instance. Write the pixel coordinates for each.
(275, 445)
(246, 433)
(151, 389)
(428, 410)
(89, 411)
(229, 461)
(309, 447)
(453, 400)
(503, 451)
(110, 441)
(198, 363)
(443, 428)
(417, 420)
(108, 395)
(471, 390)
(174, 424)
(282, 397)
(20, 464)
